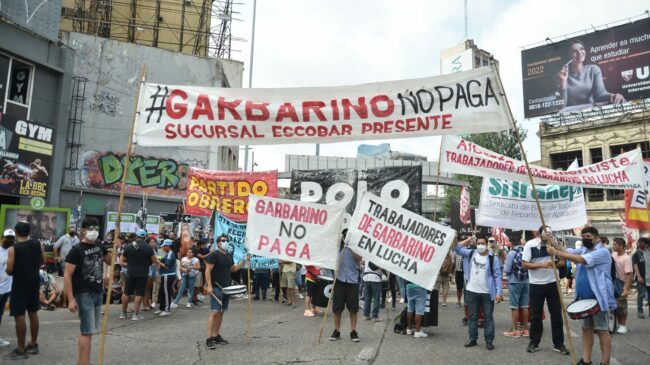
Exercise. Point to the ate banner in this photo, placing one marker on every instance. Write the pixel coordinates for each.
(344, 187)
(637, 207)
(305, 233)
(510, 204)
(624, 171)
(464, 102)
(236, 233)
(26, 154)
(226, 191)
(397, 240)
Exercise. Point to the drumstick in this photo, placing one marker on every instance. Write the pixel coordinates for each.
(215, 298)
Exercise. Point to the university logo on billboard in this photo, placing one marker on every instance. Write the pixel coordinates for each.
(26, 149)
(609, 66)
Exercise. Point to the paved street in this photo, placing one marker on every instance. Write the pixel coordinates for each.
(281, 335)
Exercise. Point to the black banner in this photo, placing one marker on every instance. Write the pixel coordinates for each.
(402, 184)
(604, 67)
(26, 150)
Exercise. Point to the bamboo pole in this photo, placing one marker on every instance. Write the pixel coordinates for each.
(129, 150)
(329, 306)
(541, 216)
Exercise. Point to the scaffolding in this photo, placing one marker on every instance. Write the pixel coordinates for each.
(75, 122)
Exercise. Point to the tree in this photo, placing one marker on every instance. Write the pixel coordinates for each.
(504, 143)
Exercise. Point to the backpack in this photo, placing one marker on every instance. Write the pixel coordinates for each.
(618, 284)
(447, 266)
(490, 261)
(520, 273)
(399, 323)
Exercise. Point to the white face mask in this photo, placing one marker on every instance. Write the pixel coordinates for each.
(481, 248)
(92, 235)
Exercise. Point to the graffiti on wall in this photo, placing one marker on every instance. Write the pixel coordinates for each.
(149, 175)
(104, 102)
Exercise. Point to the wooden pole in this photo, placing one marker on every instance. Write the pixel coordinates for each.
(248, 317)
(541, 216)
(329, 306)
(129, 150)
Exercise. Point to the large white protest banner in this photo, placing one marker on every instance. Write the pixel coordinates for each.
(398, 240)
(463, 102)
(624, 171)
(510, 204)
(305, 233)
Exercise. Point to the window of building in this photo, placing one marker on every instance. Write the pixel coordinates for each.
(616, 150)
(562, 161)
(477, 62)
(486, 62)
(595, 195)
(18, 77)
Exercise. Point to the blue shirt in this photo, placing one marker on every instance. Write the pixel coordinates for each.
(169, 260)
(493, 278)
(583, 289)
(349, 267)
(599, 274)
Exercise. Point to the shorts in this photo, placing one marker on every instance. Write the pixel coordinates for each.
(288, 280)
(90, 311)
(136, 285)
(417, 300)
(215, 306)
(599, 322)
(346, 295)
(443, 280)
(153, 271)
(123, 276)
(21, 302)
(518, 295)
(311, 288)
(460, 280)
(621, 306)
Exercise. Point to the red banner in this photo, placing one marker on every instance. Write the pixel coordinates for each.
(227, 191)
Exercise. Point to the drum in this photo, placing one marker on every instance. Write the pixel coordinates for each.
(235, 289)
(322, 291)
(582, 308)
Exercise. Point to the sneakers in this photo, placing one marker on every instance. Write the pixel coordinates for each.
(31, 349)
(640, 315)
(444, 305)
(123, 315)
(336, 335)
(470, 343)
(164, 314)
(525, 333)
(308, 313)
(512, 333)
(458, 305)
(15, 354)
(209, 343)
(219, 340)
(200, 296)
(563, 350)
(173, 305)
(532, 348)
(137, 317)
(376, 319)
(157, 312)
(489, 346)
(354, 336)
(621, 329)
(401, 301)
(409, 331)
(188, 305)
(582, 362)
(465, 322)
(4, 343)
(301, 296)
(367, 318)
(420, 334)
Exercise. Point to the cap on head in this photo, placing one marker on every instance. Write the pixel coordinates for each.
(9, 233)
(141, 233)
(166, 242)
(23, 229)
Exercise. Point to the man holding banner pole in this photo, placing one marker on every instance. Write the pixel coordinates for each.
(346, 290)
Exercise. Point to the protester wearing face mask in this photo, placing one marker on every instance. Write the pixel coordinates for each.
(483, 288)
(593, 281)
(63, 246)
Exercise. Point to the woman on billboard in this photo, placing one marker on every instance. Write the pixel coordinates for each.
(583, 84)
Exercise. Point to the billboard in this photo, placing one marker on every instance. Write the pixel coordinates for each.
(48, 224)
(26, 149)
(604, 67)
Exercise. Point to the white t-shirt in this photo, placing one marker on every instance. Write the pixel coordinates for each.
(5, 280)
(370, 275)
(477, 277)
(186, 263)
(535, 253)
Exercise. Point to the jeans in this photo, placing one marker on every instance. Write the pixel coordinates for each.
(90, 311)
(539, 292)
(261, 283)
(642, 290)
(187, 282)
(371, 292)
(474, 301)
(392, 286)
(402, 287)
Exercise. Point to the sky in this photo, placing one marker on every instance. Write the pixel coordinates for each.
(300, 43)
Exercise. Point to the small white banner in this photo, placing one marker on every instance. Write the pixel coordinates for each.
(399, 240)
(510, 204)
(624, 171)
(305, 233)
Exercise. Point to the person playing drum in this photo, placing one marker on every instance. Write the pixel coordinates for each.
(593, 281)
(219, 265)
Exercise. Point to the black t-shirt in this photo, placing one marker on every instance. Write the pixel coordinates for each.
(138, 258)
(221, 270)
(27, 261)
(88, 274)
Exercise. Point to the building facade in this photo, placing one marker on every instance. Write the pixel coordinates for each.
(592, 138)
